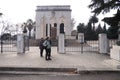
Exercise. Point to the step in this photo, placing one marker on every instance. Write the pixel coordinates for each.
(38, 69)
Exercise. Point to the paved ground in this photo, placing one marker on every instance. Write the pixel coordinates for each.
(103, 76)
(85, 61)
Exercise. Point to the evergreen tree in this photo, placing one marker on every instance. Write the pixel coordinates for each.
(113, 22)
(112, 32)
(1, 14)
(104, 6)
(90, 33)
(104, 29)
(99, 29)
(93, 19)
(81, 28)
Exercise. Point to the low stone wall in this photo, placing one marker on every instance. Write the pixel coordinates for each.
(33, 42)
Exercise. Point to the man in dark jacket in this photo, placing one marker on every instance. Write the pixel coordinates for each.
(41, 47)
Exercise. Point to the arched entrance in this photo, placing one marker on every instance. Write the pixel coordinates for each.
(62, 28)
(54, 31)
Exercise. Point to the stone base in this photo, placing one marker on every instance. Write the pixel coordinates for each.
(115, 52)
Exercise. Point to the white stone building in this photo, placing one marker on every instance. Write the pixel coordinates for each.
(50, 20)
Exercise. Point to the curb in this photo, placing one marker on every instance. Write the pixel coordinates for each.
(43, 71)
(34, 70)
(97, 71)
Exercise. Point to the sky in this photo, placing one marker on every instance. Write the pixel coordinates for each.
(19, 11)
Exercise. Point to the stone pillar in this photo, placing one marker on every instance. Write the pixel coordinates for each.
(115, 52)
(119, 34)
(61, 43)
(20, 43)
(103, 43)
(81, 37)
(48, 30)
(58, 29)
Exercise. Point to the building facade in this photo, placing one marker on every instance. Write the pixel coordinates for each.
(53, 20)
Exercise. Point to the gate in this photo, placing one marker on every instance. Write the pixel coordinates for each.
(8, 38)
(8, 43)
(73, 45)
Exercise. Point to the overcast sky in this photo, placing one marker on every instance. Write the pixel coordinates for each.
(18, 11)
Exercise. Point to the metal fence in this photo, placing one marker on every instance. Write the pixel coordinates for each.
(73, 45)
(8, 45)
(112, 42)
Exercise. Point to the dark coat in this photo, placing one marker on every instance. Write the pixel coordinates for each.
(41, 44)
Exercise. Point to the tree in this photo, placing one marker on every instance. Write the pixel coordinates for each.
(93, 19)
(6, 36)
(90, 33)
(24, 27)
(113, 21)
(104, 29)
(81, 28)
(1, 14)
(30, 25)
(104, 6)
(99, 29)
(112, 32)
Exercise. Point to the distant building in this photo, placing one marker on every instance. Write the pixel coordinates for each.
(53, 20)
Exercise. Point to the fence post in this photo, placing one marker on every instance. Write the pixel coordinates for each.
(103, 43)
(61, 43)
(81, 37)
(81, 40)
(20, 43)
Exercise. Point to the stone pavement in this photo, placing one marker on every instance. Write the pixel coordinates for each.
(87, 61)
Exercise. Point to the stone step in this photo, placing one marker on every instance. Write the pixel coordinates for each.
(36, 69)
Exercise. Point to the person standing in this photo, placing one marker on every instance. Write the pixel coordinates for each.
(41, 46)
(47, 43)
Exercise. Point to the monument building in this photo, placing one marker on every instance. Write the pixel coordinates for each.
(53, 20)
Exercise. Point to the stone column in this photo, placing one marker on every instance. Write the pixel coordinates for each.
(81, 37)
(61, 43)
(103, 43)
(119, 31)
(20, 43)
(119, 34)
(58, 29)
(48, 30)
